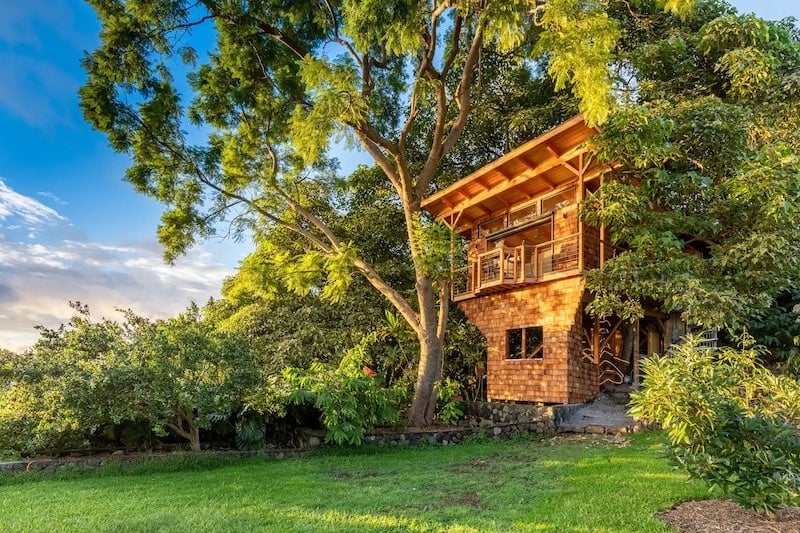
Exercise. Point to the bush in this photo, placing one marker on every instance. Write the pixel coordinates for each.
(731, 422)
(450, 409)
(351, 401)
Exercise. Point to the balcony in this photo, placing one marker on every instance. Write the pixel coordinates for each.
(507, 267)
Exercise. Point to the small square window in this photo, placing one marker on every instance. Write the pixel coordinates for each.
(525, 343)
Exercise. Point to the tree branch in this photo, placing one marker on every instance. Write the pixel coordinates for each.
(400, 303)
(380, 158)
(462, 99)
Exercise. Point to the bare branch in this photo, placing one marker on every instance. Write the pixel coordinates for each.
(380, 158)
(462, 99)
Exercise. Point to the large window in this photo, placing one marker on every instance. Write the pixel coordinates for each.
(525, 343)
(558, 200)
(492, 225)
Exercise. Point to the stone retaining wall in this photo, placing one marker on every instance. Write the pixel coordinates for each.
(66, 463)
(495, 420)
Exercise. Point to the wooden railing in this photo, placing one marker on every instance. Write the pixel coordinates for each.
(515, 265)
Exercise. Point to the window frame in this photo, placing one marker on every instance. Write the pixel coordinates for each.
(536, 354)
(543, 199)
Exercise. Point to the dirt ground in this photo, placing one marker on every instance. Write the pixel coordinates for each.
(723, 516)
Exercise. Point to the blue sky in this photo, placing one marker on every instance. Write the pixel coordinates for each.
(70, 227)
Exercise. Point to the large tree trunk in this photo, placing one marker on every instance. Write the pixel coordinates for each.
(423, 406)
(431, 336)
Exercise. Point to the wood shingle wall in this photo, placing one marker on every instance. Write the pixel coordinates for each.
(560, 376)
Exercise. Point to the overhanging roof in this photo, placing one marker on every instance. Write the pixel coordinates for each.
(543, 164)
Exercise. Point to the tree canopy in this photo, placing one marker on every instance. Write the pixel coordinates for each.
(705, 200)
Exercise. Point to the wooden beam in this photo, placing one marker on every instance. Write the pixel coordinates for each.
(506, 175)
(596, 341)
(581, 192)
(481, 184)
(602, 230)
(482, 209)
(564, 163)
(464, 195)
(513, 182)
(530, 166)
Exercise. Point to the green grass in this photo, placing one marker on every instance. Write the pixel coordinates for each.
(482, 486)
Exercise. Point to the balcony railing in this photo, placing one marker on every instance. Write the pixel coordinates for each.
(516, 265)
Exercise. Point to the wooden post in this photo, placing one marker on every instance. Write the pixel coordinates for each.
(596, 341)
(636, 349)
(602, 228)
(581, 196)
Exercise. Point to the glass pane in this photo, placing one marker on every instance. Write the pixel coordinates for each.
(534, 338)
(515, 344)
(521, 216)
(557, 201)
(492, 225)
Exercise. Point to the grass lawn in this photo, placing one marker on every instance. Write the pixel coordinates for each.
(482, 486)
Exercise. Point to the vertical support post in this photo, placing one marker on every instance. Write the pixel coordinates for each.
(452, 256)
(581, 196)
(636, 349)
(596, 340)
(602, 227)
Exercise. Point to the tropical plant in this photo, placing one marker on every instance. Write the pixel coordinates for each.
(730, 421)
(351, 402)
(450, 410)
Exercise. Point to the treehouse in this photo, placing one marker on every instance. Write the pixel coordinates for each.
(521, 283)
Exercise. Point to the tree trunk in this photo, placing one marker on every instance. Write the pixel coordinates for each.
(194, 438)
(423, 406)
(191, 432)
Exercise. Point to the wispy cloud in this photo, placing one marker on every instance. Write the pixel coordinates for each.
(29, 211)
(39, 278)
(52, 197)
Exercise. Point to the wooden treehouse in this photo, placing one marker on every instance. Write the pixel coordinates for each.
(522, 284)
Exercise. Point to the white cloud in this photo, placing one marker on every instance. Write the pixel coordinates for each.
(38, 281)
(39, 276)
(24, 209)
(52, 197)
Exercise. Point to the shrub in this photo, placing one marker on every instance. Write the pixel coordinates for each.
(351, 401)
(447, 392)
(730, 421)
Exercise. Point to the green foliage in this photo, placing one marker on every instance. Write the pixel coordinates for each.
(579, 38)
(778, 329)
(731, 422)
(436, 242)
(704, 199)
(251, 434)
(449, 405)
(177, 375)
(350, 401)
